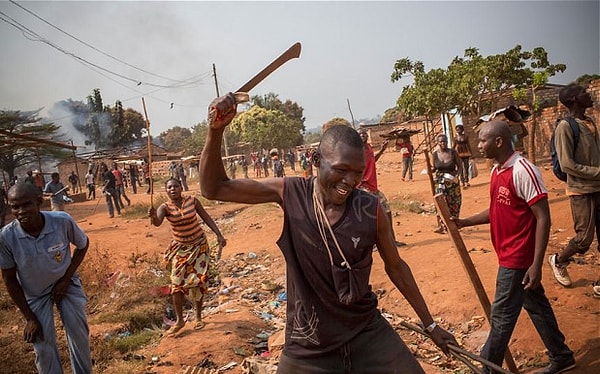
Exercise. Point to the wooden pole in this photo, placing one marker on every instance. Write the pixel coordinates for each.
(429, 172)
(76, 169)
(351, 114)
(463, 253)
(149, 153)
(218, 95)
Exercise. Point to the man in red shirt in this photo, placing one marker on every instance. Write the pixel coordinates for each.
(369, 178)
(407, 150)
(119, 186)
(519, 219)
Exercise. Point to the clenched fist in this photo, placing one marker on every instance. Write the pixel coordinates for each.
(221, 111)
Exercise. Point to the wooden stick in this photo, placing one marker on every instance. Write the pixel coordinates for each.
(457, 350)
(463, 253)
(429, 172)
(149, 154)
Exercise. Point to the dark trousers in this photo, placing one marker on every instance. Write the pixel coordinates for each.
(585, 210)
(376, 350)
(510, 298)
(91, 191)
(464, 175)
(407, 166)
(111, 196)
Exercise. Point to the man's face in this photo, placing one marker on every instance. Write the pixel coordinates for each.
(24, 206)
(364, 136)
(584, 98)
(487, 144)
(340, 171)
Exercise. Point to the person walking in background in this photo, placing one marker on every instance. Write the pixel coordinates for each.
(133, 177)
(291, 157)
(447, 166)
(407, 151)
(369, 178)
(109, 191)
(182, 177)
(74, 180)
(29, 178)
(333, 324)
(188, 255)
(146, 172)
(91, 185)
(39, 180)
(39, 271)
(278, 169)
(231, 168)
(580, 160)
(3, 204)
(57, 192)
(244, 164)
(463, 148)
(264, 161)
(119, 186)
(519, 219)
(257, 165)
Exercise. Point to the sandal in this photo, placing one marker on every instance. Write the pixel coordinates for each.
(174, 330)
(199, 325)
(439, 230)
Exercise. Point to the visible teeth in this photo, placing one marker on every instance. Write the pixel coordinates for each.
(341, 191)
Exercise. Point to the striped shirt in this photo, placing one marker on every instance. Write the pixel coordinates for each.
(184, 222)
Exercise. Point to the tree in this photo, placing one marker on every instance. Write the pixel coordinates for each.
(334, 122)
(536, 76)
(174, 139)
(264, 129)
(472, 83)
(293, 111)
(23, 153)
(105, 127)
(195, 143)
(585, 79)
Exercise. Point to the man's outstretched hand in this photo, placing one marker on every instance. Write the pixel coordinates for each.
(221, 111)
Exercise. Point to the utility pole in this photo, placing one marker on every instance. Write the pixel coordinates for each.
(351, 115)
(76, 167)
(217, 88)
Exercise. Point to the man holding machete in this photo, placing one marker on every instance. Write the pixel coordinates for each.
(330, 227)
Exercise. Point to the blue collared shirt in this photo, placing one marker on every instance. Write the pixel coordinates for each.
(40, 262)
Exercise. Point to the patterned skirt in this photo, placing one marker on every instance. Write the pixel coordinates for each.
(452, 195)
(188, 264)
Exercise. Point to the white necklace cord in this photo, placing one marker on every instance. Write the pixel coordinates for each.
(320, 216)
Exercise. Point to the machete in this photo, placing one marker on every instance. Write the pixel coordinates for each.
(241, 94)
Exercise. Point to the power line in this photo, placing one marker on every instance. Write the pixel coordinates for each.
(89, 45)
(191, 82)
(32, 35)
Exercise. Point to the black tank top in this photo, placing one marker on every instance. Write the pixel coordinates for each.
(317, 322)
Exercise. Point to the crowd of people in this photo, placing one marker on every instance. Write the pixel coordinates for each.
(334, 222)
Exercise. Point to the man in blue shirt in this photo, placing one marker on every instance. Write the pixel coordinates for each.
(57, 192)
(38, 269)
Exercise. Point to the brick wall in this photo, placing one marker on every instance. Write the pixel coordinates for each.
(546, 120)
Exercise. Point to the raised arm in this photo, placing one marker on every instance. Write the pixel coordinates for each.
(214, 183)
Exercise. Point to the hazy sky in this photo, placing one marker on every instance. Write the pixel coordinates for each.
(348, 50)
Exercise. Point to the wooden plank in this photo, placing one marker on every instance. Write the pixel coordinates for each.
(465, 259)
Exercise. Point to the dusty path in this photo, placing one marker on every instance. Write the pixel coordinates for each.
(431, 256)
